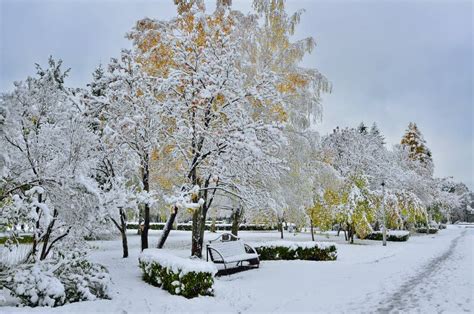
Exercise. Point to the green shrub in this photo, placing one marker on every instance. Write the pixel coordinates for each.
(431, 230)
(181, 276)
(287, 250)
(22, 239)
(394, 236)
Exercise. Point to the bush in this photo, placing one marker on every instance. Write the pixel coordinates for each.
(36, 284)
(181, 276)
(431, 230)
(84, 281)
(22, 239)
(53, 283)
(392, 235)
(287, 250)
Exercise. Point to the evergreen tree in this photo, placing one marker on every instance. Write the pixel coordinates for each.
(414, 141)
(97, 85)
(362, 128)
(377, 135)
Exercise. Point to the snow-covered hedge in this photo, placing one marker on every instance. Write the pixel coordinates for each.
(423, 230)
(288, 250)
(392, 235)
(182, 276)
(53, 283)
(219, 227)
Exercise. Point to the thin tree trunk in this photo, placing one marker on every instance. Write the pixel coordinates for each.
(123, 231)
(312, 229)
(146, 187)
(46, 237)
(167, 228)
(122, 227)
(351, 234)
(280, 228)
(146, 226)
(124, 243)
(196, 249)
(236, 221)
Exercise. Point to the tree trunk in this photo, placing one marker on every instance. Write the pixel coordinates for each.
(280, 228)
(146, 187)
(196, 249)
(350, 234)
(168, 227)
(236, 215)
(123, 232)
(312, 229)
(46, 237)
(146, 226)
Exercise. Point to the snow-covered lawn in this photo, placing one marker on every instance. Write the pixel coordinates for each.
(429, 273)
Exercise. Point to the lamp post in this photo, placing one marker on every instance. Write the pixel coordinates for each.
(384, 230)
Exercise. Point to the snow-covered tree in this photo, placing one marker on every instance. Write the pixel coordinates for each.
(50, 154)
(129, 121)
(207, 98)
(416, 144)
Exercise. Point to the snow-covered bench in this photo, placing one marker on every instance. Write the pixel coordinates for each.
(228, 249)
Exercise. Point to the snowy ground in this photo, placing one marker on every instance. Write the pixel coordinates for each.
(429, 273)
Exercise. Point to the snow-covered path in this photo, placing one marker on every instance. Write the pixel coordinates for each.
(429, 273)
(430, 289)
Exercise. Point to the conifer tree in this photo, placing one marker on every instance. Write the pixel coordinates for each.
(377, 135)
(415, 143)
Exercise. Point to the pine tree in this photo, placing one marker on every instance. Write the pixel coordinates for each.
(414, 141)
(362, 128)
(377, 135)
(97, 85)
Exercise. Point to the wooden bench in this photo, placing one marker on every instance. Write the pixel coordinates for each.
(229, 249)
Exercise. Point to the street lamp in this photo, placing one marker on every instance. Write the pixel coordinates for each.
(384, 230)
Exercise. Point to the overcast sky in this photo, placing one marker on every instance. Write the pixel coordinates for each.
(391, 62)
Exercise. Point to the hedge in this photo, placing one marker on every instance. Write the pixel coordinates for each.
(219, 227)
(431, 230)
(287, 250)
(22, 239)
(181, 276)
(392, 235)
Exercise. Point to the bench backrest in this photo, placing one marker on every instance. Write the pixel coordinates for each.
(228, 248)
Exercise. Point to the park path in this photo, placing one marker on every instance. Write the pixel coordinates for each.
(429, 287)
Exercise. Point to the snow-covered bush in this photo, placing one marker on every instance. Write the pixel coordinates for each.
(287, 250)
(84, 281)
(55, 282)
(430, 230)
(36, 285)
(392, 235)
(187, 277)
